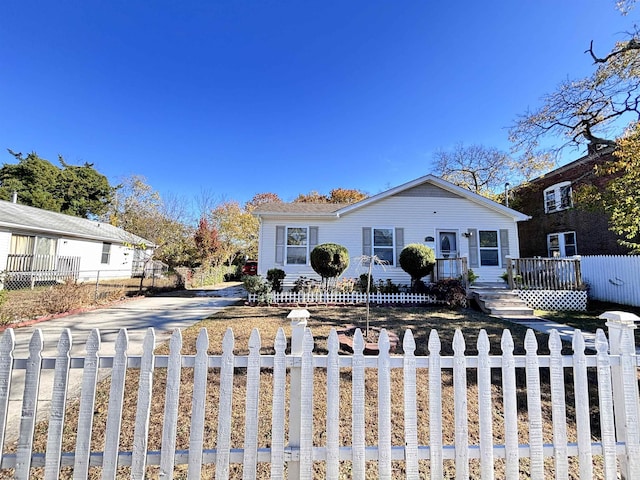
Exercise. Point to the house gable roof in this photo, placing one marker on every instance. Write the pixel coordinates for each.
(602, 155)
(14, 216)
(298, 209)
(427, 186)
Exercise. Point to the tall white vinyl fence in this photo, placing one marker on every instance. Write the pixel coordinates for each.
(336, 416)
(613, 278)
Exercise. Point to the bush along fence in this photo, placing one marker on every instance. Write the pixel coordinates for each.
(326, 394)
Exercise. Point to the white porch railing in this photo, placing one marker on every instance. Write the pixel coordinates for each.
(544, 274)
(604, 452)
(28, 270)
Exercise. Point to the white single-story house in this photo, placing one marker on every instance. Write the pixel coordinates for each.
(40, 245)
(452, 220)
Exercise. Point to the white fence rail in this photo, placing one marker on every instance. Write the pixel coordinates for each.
(296, 298)
(613, 278)
(604, 452)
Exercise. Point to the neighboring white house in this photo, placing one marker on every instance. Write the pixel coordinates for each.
(452, 220)
(40, 244)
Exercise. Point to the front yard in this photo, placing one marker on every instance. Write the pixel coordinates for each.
(243, 319)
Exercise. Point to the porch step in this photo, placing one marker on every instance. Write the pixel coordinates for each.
(498, 300)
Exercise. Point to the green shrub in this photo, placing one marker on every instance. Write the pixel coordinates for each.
(417, 260)
(305, 285)
(275, 277)
(472, 276)
(450, 290)
(329, 260)
(256, 284)
(387, 287)
(362, 284)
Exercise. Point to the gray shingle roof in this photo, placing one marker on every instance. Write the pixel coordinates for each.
(14, 216)
(299, 208)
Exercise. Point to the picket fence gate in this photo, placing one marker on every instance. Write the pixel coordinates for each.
(293, 455)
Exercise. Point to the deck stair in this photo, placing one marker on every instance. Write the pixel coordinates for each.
(496, 299)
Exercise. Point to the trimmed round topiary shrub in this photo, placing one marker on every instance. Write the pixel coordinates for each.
(329, 260)
(417, 260)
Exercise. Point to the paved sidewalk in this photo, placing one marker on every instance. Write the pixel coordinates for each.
(544, 325)
(566, 332)
(164, 313)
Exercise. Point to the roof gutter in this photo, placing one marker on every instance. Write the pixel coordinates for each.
(24, 228)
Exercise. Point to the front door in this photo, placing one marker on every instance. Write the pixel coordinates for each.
(447, 252)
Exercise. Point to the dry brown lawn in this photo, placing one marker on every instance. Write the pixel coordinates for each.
(243, 319)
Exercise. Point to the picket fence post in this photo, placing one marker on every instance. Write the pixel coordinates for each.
(625, 389)
(298, 318)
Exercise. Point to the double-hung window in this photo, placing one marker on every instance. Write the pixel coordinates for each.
(297, 247)
(106, 253)
(489, 248)
(383, 244)
(558, 197)
(562, 244)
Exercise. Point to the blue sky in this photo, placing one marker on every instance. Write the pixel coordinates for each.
(235, 98)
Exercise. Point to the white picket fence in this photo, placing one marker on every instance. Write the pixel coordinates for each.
(292, 454)
(297, 298)
(613, 278)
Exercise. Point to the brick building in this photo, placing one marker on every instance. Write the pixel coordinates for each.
(557, 227)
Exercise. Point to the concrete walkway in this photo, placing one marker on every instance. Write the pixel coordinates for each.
(566, 332)
(164, 313)
(544, 325)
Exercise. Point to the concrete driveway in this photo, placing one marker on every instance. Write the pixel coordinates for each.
(164, 313)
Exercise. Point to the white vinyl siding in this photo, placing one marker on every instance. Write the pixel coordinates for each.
(413, 220)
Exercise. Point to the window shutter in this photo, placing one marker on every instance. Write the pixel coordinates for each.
(399, 244)
(473, 248)
(313, 238)
(366, 242)
(504, 246)
(280, 242)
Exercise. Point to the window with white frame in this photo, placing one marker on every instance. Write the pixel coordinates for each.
(383, 244)
(297, 246)
(558, 197)
(562, 244)
(106, 253)
(489, 248)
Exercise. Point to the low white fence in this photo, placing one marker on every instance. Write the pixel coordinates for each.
(322, 448)
(613, 278)
(298, 298)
